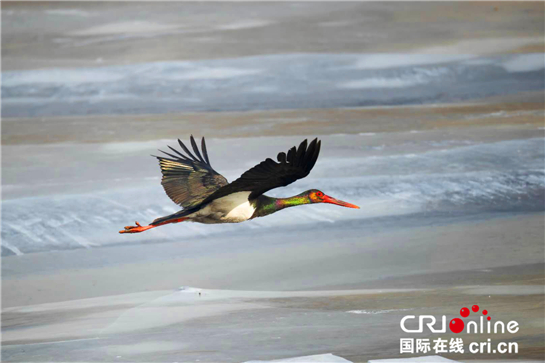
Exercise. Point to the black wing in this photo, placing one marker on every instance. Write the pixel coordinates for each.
(269, 174)
(188, 180)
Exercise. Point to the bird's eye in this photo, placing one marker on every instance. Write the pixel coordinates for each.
(320, 194)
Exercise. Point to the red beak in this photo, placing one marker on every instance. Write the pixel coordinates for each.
(328, 199)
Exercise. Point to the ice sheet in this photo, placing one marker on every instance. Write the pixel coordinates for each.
(290, 81)
(424, 359)
(322, 358)
(85, 207)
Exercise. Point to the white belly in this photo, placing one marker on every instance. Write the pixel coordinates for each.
(233, 208)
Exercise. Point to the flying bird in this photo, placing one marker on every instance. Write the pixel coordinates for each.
(207, 197)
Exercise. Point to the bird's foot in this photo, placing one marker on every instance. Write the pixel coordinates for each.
(136, 229)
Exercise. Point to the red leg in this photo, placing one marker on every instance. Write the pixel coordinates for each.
(138, 228)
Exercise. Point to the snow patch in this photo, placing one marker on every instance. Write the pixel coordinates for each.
(380, 83)
(525, 63)
(321, 358)
(68, 12)
(213, 73)
(425, 359)
(12, 248)
(129, 27)
(245, 24)
(375, 312)
(60, 76)
(382, 61)
(416, 77)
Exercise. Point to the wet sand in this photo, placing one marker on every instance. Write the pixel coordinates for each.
(521, 110)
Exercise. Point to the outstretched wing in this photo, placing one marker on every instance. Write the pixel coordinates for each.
(188, 180)
(269, 174)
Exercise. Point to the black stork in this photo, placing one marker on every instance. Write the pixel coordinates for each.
(207, 197)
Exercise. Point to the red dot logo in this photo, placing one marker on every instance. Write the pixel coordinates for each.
(456, 325)
(485, 312)
(464, 312)
(475, 308)
(489, 318)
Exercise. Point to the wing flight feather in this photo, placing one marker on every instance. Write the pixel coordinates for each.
(189, 180)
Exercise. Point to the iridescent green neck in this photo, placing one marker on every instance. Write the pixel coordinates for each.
(268, 205)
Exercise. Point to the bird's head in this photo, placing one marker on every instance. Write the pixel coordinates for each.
(317, 196)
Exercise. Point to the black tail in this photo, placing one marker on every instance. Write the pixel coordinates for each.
(177, 215)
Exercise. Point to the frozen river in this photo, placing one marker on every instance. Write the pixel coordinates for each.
(290, 81)
(431, 120)
(85, 193)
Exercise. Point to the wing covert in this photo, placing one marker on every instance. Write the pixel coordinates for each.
(269, 174)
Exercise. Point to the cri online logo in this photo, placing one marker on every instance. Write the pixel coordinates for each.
(457, 325)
